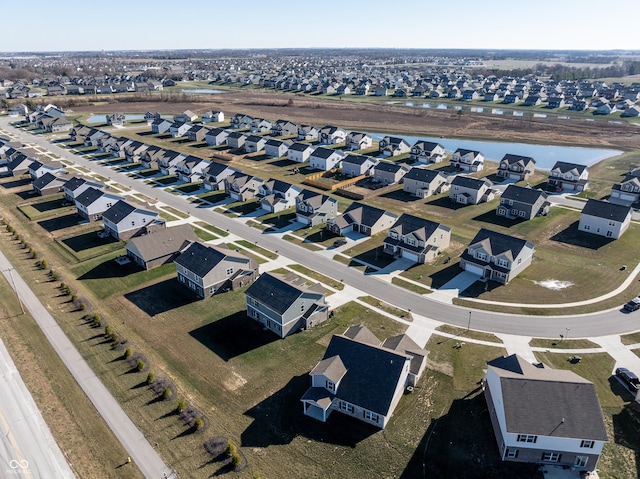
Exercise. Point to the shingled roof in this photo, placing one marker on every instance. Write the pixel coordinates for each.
(606, 210)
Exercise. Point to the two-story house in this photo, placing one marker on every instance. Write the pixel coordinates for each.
(358, 165)
(523, 203)
(277, 195)
(467, 190)
(208, 270)
(542, 415)
(299, 152)
(216, 136)
(358, 141)
(307, 133)
(236, 140)
(123, 221)
(331, 135)
(169, 161)
(568, 176)
(427, 152)
(92, 203)
(422, 182)
(214, 175)
(416, 239)
(76, 185)
(467, 160)
(48, 184)
(315, 208)
(389, 173)
(496, 256)
(605, 219)
(277, 148)
(516, 167)
(393, 146)
(284, 128)
(254, 143)
(627, 192)
(325, 159)
(191, 169)
(241, 186)
(286, 303)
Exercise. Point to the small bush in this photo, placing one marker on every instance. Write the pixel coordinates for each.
(182, 405)
(151, 377)
(231, 449)
(44, 264)
(74, 298)
(198, 423)
(236, 460)
(108, 330)
(167, 393)
(127, 353)
(82, 305)
(54, 275)
(141, 365)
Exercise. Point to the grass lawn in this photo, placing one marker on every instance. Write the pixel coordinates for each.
(50, 205)
(562, 343)
(188, 188)
(332, 283)
(376, 303)
(469, 333)
(633, 338)
(370, 251)
(89, 245)
(175, 212)
(204, 235)
(410, 286)
(211, 228)
(167, 216)
(213, 196)
(166, 180)
(257, 249)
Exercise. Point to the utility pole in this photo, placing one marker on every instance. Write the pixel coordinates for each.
(469, 323)
(13, 283)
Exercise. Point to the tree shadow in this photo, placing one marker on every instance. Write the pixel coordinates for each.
(279, 419)
(60, 222)
(573, 236)
(461, 444)
(492, 218)
(445, 202)
(223, 336)
(161, 297)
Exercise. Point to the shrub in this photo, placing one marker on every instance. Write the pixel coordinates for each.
(44, 263)
(82, 306)
(198, 423)
(236, 460)
(167, 393)
(55, 276)
(151, 377)
(231, 449)
(182, 405)
(74, 298)
(141, 365)
(127, 353)
(108, 330)
(10, 229)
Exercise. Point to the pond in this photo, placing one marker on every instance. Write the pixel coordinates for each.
(103, 118)
(205, 91)
(545, 155)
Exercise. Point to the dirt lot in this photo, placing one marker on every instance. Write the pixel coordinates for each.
(374, 116)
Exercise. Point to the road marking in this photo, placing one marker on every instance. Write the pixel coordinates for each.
(20, 464)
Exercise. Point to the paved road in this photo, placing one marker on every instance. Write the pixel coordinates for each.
(597, 324)
(27, 447)
(144, 456)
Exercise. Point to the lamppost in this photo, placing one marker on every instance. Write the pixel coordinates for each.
(469, 322)
(567, 333)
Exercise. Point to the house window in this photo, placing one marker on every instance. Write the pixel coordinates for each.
(229, 271)
(609, 234)
(587, 443)
(330, 385)
(587, 227)
(522, 213)
(411, 241)
(503, 263)
(212, 289)
(550, 456)
(511, 453)
(345, 406)
(597, 230)
(481, 256)
(393, 235)
(581, 461)
(370, 416)
(527, 438)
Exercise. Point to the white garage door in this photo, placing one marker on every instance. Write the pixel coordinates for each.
(627, 197)
(515, 176)
(410, 256)
(473, 269)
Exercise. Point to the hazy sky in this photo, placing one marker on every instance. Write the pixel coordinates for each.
(46, 25)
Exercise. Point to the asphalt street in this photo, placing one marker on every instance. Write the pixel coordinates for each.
(142, 453)
(603, 323)
(27, 447)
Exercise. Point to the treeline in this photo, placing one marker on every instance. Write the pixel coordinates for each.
(566, 72)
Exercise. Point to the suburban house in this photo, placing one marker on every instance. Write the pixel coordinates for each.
(627, 192)
(19, 164)
(213, 117)
(416, 239)
(48, 184)
(392, 146)
(191, 169)
(58, 124)
(179, 129)
(37, 168)
(467, 160)
(362, 377)
(123, 221)
(235, 139)
(286, 303)
(331, 135)
(315, 208)
(160, 247)
(160, 125)
(242, 187)
(299, 152)
(92, 202)
(362, 218)
(185, 117)
(260, 125)
(427, 152)
(133, 151)
(543, 415)
(471, 191)
(197, 133)
(605, 219)
(422, 182)
(307, 132)
(216, 136)
(254, 143)
(522, 202)
(169, 161)
(324, 159)
(389, 173)
(568, 176)
(516, 167)
(276, 148)
(76, 185)
(358, 141)
(214, 175)
(277, 195)
(240, 121)
(284, 128)
(151, 157)
(496, 256)
(116, 119)
(149, 117)
(358, 165)
(208, 270)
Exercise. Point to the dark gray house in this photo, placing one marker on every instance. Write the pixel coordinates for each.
(522, 202)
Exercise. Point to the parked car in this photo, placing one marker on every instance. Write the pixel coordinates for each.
(629, 378)
(632, 305)
(339, 242)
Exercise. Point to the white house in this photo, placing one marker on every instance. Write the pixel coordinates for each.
(605, 219)
(325, 159)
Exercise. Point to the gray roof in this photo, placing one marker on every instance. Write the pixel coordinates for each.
(364, 214)
(321, 152)
(422, 228)
(389, 167)
(606, 210)
(495, 243)
(423, 174)
(470, 182)
(522, 194)
(361, 333)
(200, 259)
(118, 212)
(333, 368)
(358, 159)
(299, 146)
(88, 196)
(278, 291)
(548, 402)
(563, 167)
(162, 242)
(512, 159)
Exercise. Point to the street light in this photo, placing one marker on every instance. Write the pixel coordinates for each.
(469, 323)
(567, 333)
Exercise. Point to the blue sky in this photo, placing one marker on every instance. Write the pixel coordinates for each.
(212, 24)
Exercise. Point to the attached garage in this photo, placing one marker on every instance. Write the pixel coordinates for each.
(627, 197)
(473, 269)
(411, 256)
